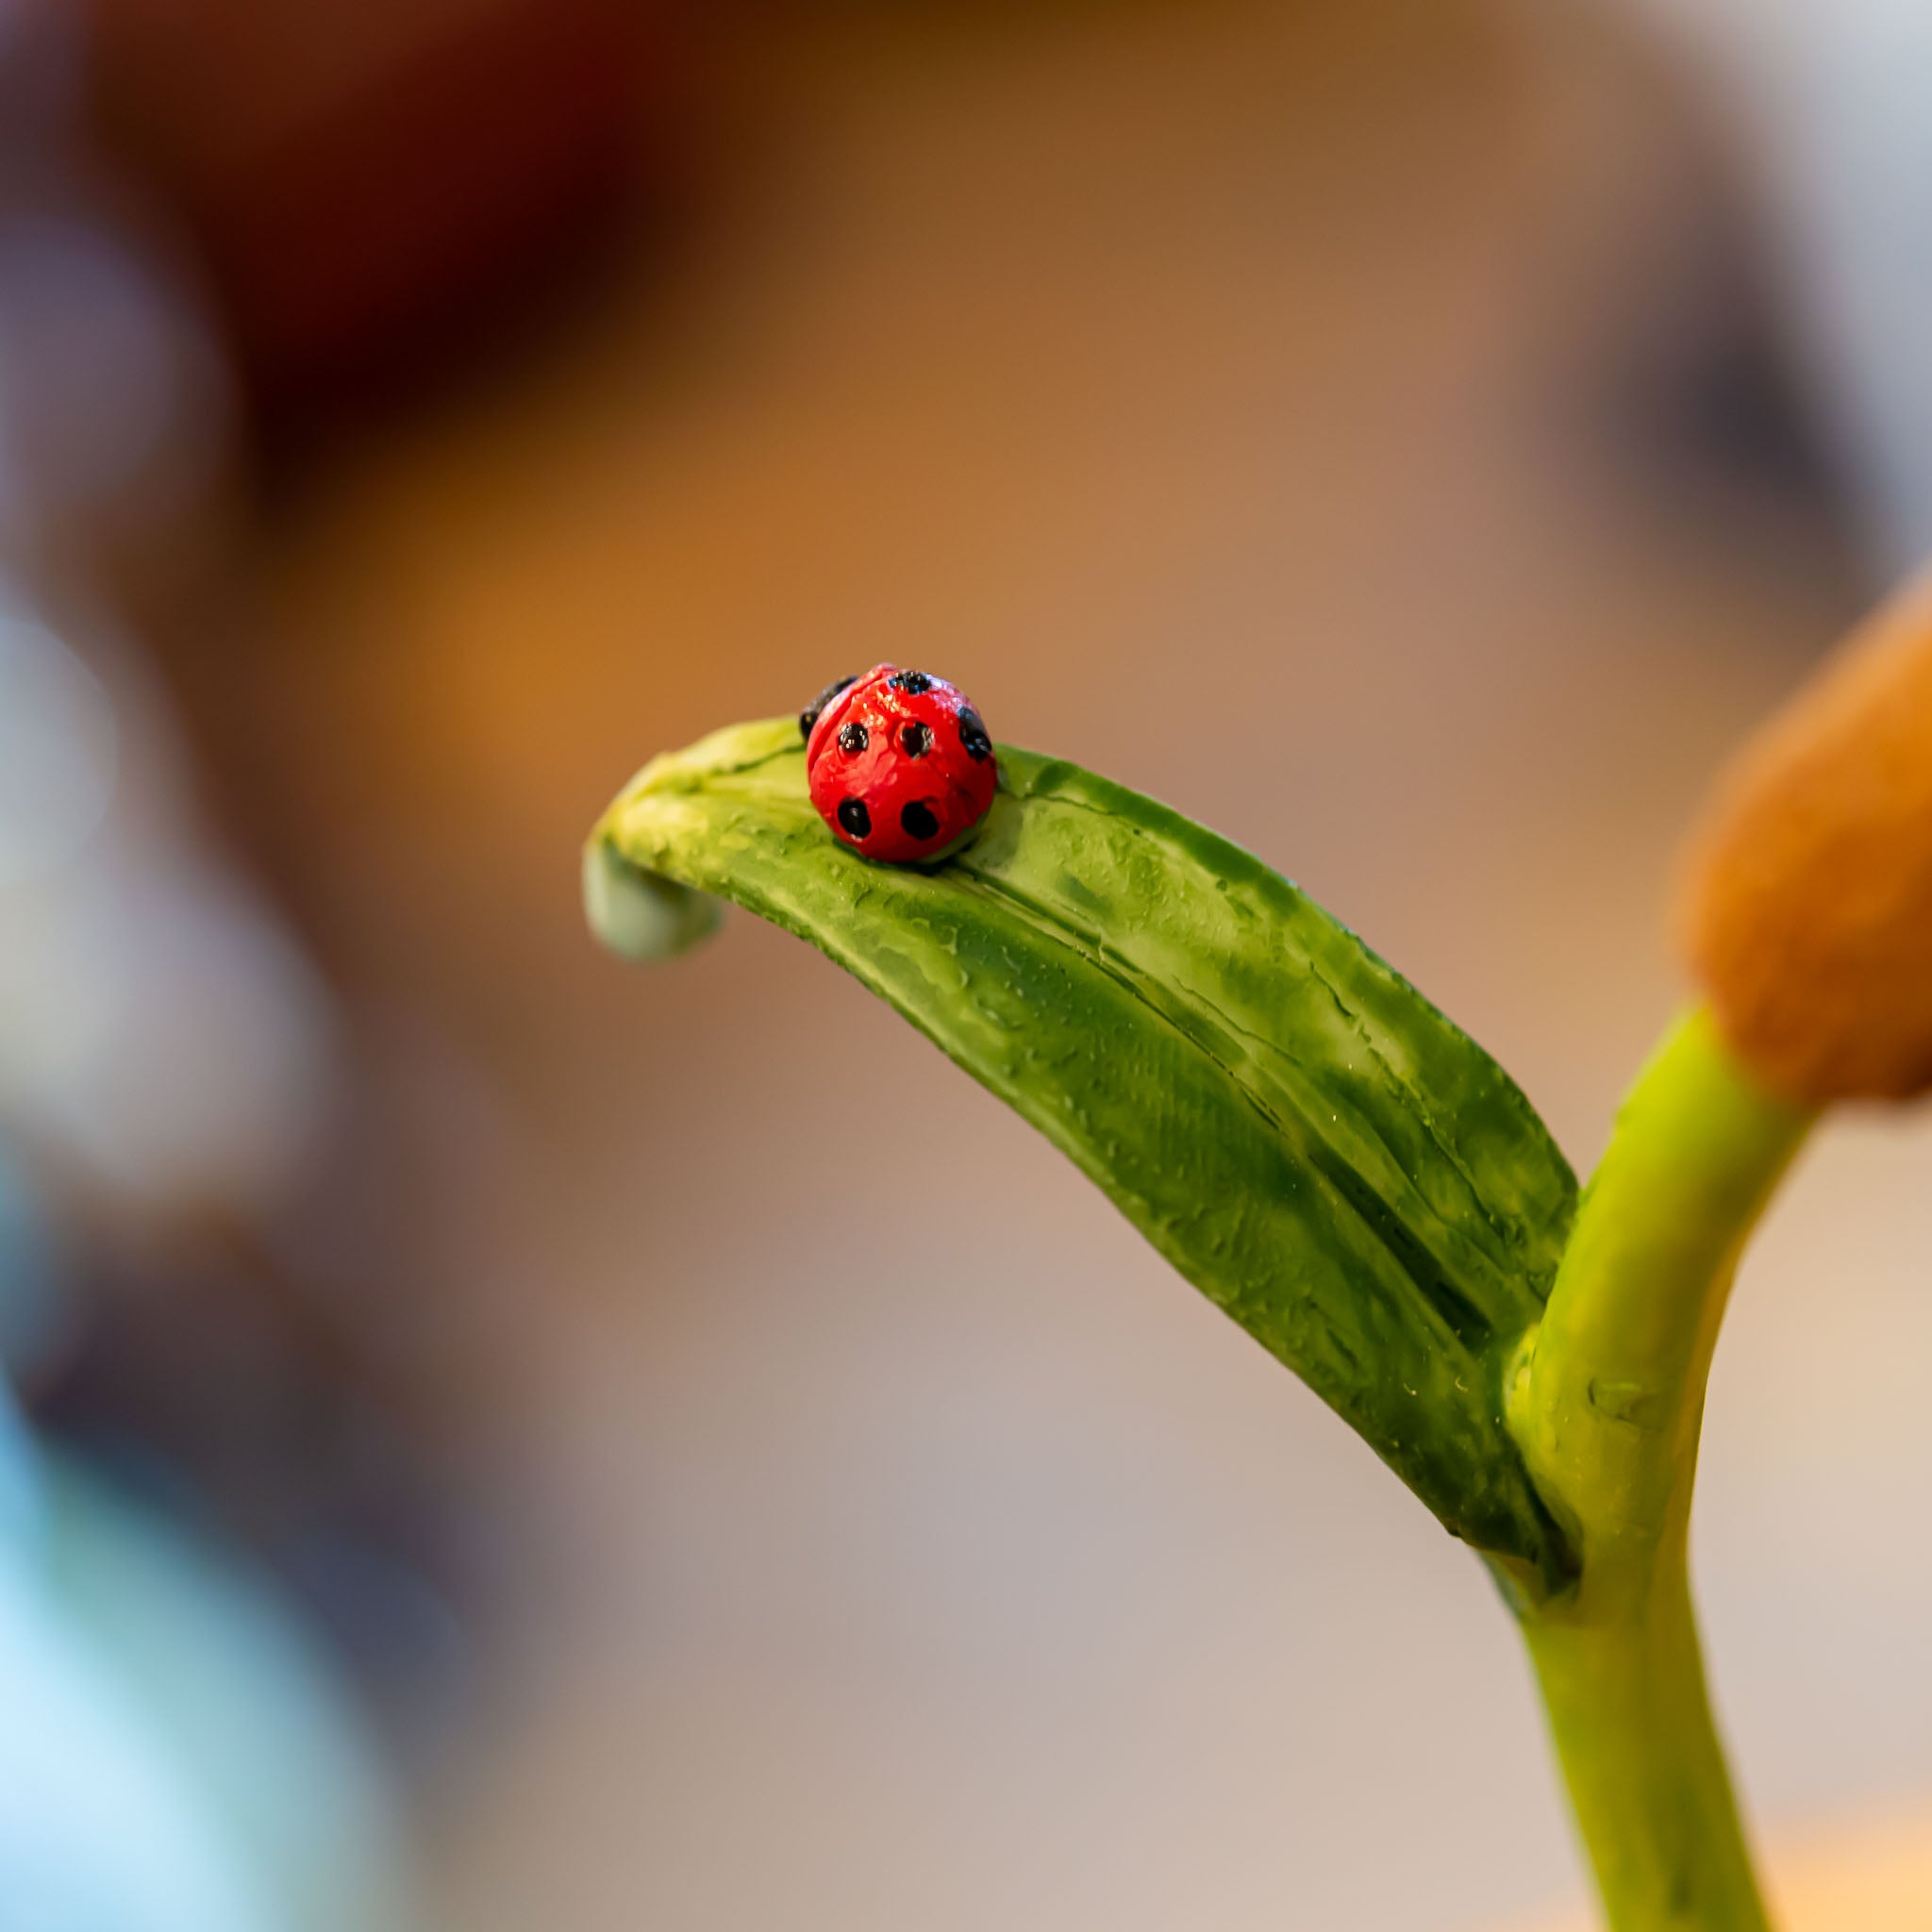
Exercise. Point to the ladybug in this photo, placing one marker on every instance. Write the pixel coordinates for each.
(899, 764)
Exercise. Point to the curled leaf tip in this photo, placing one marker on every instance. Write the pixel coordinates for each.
(643, 915)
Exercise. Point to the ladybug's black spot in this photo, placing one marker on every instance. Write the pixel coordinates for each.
(853, 736)
(973, 734)
(916, 738)
(809, 716)
(919, 820)
(855, 817)
(911, 682)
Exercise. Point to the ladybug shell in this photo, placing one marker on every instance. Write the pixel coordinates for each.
(900, 766)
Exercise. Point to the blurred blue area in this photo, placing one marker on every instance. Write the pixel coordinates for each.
(176, 1756)
(179, 1751)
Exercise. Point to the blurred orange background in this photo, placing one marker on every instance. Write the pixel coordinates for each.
(1416, 439)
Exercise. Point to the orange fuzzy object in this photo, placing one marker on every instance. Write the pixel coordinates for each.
(1807, 912)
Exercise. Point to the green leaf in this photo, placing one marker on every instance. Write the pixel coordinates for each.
(1305, 1138)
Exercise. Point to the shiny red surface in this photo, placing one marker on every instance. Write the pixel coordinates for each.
(887, 778)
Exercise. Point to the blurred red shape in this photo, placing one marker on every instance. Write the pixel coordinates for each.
(365, 179)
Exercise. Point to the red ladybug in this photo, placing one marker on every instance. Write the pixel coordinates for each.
(899, 763)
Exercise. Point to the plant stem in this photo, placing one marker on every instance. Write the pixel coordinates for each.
(1607, 1403)
(1627, 1708)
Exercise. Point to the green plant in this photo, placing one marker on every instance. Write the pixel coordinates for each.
(1351, 1178)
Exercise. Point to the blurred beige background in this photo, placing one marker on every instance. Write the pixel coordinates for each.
(1362, 427)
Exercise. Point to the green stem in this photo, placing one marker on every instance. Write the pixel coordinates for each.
(1607, 1403)
(1648, 1784)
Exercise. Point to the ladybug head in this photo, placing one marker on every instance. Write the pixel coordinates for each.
(809, 716)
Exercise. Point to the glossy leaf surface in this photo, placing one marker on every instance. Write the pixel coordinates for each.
(1286, 1119)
